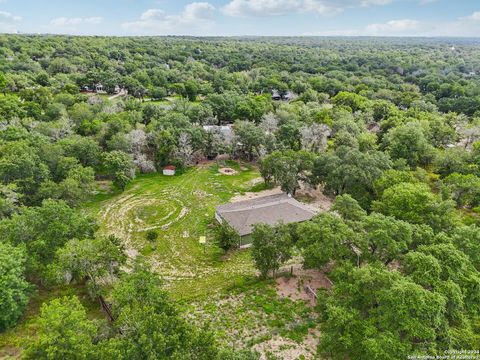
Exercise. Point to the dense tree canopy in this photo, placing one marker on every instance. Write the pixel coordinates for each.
(390, 128)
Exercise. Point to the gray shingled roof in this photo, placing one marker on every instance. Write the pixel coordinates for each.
(271, 210)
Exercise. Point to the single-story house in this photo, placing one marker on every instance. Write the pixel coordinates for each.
(169, 170)
(276, 95)
(270, 210)
(290, 96)
(224, 130)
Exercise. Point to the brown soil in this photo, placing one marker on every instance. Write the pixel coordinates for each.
(317, 201)
(227, 171)
(293, 287)
(254, 195)
(287, 349)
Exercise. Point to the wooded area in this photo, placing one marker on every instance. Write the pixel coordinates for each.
(388, 128)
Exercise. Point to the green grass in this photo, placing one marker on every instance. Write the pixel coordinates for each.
(250, 312)
(181, 209)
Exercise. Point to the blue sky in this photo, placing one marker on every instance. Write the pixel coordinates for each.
(243, 17)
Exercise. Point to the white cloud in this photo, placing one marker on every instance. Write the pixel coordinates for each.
(8, 22)
(68, 22)
(475, 16)
(7, 17)
(272, 7)
(264, 8)
(195, 16)
(463, 26)
(394, 27)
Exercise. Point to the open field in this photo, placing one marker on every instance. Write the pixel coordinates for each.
(221, 290)
(180, 209)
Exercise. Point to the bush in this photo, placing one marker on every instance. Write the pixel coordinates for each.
(151, 235)
(226, 237)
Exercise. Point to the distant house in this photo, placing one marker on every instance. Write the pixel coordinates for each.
(373, 127)
(270, 210)
(169, 170)
(225, 130)
(290, 96)
(99, 88)
(276, 95)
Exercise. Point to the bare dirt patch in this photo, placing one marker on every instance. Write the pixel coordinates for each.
(315, 199)
(254, 195)
(294, 287)
(227, 171)
(287, 349)
(255, 181)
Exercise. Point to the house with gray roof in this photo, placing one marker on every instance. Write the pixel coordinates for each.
(270, 210)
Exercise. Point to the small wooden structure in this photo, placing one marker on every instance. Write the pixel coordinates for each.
(169, 170)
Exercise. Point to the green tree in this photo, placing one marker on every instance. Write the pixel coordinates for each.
(463, 189)
(120, 165)
(93, 259)
(226, 237)
(9, 200)
(3, 83)
(151, 235)
(287, 169)
(250, 138)
(416, 204)
(349, 171)
(325, 238)
(272, 247)
(393, 177)
(424, 269)
(21, 165)
(408, 142)
(374, 313)
(467, 239)
(43, 230)
(64, 332)
(348, 208)
(151, 327)
(13, 287)
(74, 189)
(191, 89)
(86, 150)
(385, 237)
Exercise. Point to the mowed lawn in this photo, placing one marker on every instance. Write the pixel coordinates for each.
(180, 209)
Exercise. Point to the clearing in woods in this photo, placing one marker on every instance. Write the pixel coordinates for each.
(180, 209)
(211, 287)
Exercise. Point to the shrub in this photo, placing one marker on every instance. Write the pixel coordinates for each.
(151, 235)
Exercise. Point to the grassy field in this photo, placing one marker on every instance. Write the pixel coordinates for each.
(180, 209)
(209, 286)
